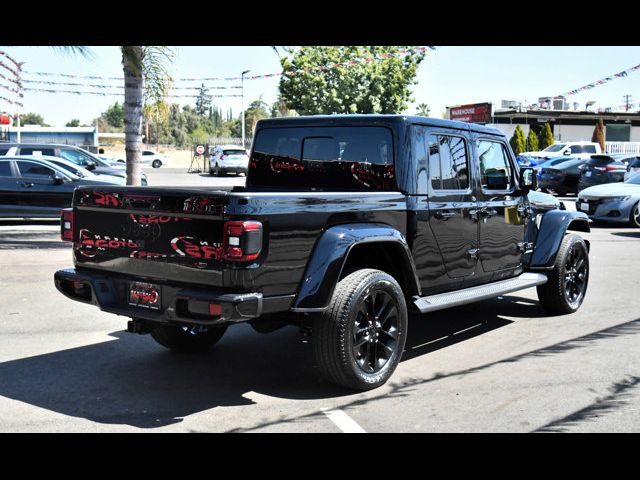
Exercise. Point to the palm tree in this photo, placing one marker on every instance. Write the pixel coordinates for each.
(423, 110)
(146, 82)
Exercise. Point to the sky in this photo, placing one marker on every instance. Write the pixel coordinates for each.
(450, 75)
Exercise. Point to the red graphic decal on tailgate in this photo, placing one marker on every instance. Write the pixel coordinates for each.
(192, 247)
(101, 198)
(90, 241)
(202, 205)
(154, 219)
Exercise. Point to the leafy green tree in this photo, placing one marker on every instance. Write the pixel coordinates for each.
(32, 119)
(517, 141)
(114, 115)
(73, 123)
(203, 102)
(379, 86)
(423, 110)
(532, 141)
(545, 137)
(599, 134)
(257, 110)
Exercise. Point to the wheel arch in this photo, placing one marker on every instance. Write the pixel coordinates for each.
(551, 230)
(353, 246)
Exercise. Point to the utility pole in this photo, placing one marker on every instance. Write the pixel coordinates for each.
(242, 100)
(627, 105)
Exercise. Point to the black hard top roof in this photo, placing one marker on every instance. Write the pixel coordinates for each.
(373, 119)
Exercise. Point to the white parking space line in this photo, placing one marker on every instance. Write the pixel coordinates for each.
(343, 421)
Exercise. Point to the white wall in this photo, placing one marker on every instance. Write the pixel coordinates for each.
(564, 133)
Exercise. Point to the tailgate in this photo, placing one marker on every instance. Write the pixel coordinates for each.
(170, 235)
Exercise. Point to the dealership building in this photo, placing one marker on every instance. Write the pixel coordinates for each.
(567, 125)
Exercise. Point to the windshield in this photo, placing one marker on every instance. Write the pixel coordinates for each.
(635, 180)
(556, 147)
(74, 169)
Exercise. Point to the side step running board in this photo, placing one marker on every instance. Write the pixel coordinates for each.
(432, 303)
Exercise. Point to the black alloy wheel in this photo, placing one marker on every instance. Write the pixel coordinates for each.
(566, 285)
(375, 336)
(576, 274)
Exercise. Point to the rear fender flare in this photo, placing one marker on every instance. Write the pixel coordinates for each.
(330, 255)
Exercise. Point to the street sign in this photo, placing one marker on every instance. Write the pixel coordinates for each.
(200, 149)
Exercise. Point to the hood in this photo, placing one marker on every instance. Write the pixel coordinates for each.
(617, 189)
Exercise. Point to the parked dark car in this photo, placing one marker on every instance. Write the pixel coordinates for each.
(601, 169)
(74, 154)
(32, 187)
(346, 225)
(561, 175)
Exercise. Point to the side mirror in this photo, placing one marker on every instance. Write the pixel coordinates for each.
(528, 180)
(566, 151)
(91, 165)
(57, 179)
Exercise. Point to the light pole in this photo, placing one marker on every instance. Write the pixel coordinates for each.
(242, 99)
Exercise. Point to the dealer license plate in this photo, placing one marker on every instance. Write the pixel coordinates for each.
(145, 295)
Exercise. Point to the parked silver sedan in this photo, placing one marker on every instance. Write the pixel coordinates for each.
(612, 202)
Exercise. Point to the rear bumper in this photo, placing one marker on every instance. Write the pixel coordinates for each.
(178, 304)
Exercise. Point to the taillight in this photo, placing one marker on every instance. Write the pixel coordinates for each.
(66, 225)
(613, 168)
(222, 156)
(242, 240)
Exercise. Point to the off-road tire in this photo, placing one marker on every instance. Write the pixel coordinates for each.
(334, 331)
(179, 339)
(553, 295)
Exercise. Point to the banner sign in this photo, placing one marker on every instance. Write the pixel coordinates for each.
(475, 113)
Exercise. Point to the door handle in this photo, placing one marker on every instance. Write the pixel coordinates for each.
(473, 252)
(446, 215)
(25, 184)
(524, 211)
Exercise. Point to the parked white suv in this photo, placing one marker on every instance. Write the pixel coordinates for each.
(575, 149)
(228, 158)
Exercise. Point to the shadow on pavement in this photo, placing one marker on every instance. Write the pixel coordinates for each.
(31, 239)
(635, 234)
(132, 380)
(17, 222)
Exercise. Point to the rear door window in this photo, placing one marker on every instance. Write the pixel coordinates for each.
(37, 151)
(448, 162)
(323, 158)
(5, 169)
(4, 151)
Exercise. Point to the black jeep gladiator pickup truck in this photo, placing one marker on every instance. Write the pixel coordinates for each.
(346, 225)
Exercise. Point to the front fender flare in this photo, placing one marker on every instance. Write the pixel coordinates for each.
(551, 231)
(330, 255)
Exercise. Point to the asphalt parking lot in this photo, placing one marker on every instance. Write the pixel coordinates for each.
(501, 365)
